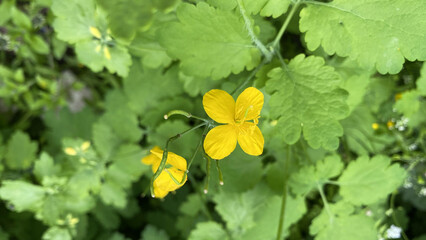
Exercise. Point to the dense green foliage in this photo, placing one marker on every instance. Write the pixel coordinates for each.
(84, 86)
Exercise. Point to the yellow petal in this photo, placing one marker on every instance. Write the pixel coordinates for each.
(107, 54)
(221, 141)
(176, 161)
(70, 151)
(249, 104)
(251, 139)
(85, 145)
(95, 32)
(219, 105)
(159, 192)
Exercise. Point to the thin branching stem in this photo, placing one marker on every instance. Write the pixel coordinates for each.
(284, 194)
(285, 24)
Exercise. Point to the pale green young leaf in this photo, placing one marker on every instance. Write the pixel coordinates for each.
(112, 194)
(192, 206)
(22, 195)
(421, 81)
(306, 97)
(310, 177)
(20, 152)
(409, 103)
(151, 232)
(379, 91)
(51, 210)
(195, 86)
(366, 181)
(45, 166)
(208, 231)
(381, 39)
(56, 233)
(73, 19)
(209, 42)
(92, 54)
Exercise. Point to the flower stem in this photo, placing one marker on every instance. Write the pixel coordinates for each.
(251, 76)
(255, 40)
(165, 153)
(284, 194)
(183, 113)
(324, 200)
(285, 24)
(395, 220)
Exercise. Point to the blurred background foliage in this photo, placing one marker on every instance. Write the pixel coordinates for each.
(98, 76)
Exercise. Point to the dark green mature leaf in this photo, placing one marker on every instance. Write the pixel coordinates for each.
(366, 181)
(209, 42)
(306, 97)
(21, 151)
(381, 39)
(151, 232)
(22, 195)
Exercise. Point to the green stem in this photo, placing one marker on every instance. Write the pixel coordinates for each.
(285, 25)
(250, 31)
(197, 189)
(208, 164)
(252, 74)
(324, 200)
(165, 153)
(284, 194)
(183, 113)
(220, 172)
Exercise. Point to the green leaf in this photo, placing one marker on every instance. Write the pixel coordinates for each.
(409, 104)
(106, 216)
(73, 19)
(104, 139)
(125, 17)
(151, 232)
(238, 210)
(21, 151)
(360, 135)
(209, 42)
(65, 124)
(240, 172)
(22, 195)
(310, 177)
(366, 181)
(37, 43)
(112, 194)
(381, 39)
(5, 11)
(144, 86)
(421, 81)
(267, 8)
(45, 167)
(306, 97)
(57, 233)
(92, 54)
(51, 210)
(353, 227)
(355, 81)
(268, 215)
(20, 19)
(146, 46)
(379, 91)
(208, 231)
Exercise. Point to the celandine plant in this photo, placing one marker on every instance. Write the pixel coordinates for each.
(212, 119)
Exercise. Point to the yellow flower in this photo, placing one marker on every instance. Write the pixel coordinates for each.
(240, 122)
(375, 126)
(175, 165)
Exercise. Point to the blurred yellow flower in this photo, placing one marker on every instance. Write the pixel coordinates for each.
(175, 166)
(375, 126)
(240, 121)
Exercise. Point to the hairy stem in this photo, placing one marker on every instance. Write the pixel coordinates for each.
(253, 37)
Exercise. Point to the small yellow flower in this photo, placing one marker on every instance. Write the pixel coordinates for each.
(398, 96)
(240, 122)
(390, 124)
(95, 32)
(375, 126)
(70, 151)
(107, 54)
(175, 165)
